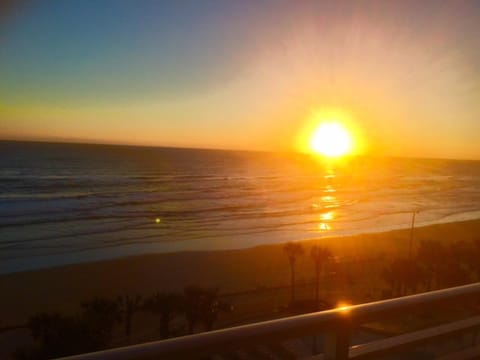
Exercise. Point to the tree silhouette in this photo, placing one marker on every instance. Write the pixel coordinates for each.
(192, 306)
(60, 335)
(320, 255)
(101, 315)
(129, 305)
(293, 250)
(202, 305)
(403, 275)
(447, 265)
(455, 269)
(165, 304)
(211, 307)
(57, 335)
(431, 255)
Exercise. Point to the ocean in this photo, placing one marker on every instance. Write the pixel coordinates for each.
(71, 203)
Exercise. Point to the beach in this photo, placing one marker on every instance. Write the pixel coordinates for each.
(62, 289)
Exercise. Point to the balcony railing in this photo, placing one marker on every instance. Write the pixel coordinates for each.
(335, 325)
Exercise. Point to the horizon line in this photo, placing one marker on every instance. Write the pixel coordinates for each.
(184, 147)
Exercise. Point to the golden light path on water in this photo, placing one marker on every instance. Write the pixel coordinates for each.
(327, 216)
(326, 202)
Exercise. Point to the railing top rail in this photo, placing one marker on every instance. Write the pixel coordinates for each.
(275, 330)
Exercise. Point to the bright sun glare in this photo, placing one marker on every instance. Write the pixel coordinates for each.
(331, 139)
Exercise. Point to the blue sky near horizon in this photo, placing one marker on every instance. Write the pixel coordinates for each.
(242, 74)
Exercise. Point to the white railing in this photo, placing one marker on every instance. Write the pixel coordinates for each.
(336, 325)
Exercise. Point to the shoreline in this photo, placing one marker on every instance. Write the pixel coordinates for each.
(63, 288)
(108, 253)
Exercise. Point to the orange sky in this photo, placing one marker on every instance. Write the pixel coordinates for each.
(245, 76)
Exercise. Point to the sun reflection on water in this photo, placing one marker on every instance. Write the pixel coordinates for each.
(327, 201)
(327, 216)
(324, 226)
(329, 189)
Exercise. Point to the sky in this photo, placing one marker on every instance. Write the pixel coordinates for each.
(243, 74)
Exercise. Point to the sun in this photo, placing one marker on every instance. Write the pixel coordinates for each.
(331, 133)
(331, 139)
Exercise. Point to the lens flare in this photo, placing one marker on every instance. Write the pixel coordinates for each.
(343, 306)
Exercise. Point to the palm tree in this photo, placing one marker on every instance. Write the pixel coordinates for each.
(320, 255)
(203, 305)
(101, 315)
(129, 305)
(59, 335)
(167, 305)
(293, 250)
(192, 306)
(210, 308)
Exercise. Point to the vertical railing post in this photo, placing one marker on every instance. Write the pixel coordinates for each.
(337, 341)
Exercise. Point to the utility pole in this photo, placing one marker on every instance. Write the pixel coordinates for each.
(411, 235)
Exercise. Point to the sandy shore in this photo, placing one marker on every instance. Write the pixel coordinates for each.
(63, 288)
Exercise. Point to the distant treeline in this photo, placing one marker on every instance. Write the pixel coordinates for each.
(91, 328)
(435, 265)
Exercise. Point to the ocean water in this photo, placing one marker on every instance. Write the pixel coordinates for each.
(69, 203)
